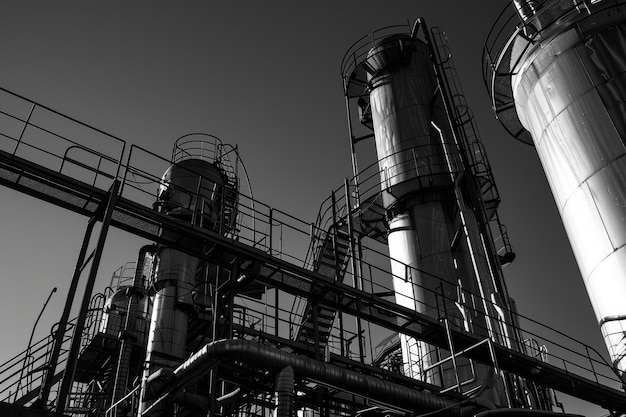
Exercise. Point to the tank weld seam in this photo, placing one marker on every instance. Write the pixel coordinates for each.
(586, 179)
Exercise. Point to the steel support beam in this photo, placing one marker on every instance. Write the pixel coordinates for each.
(72, 357)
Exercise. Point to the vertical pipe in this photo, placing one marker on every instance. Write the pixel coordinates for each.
(285, 393)
(355, 167)
(333, 229)
(488, 274)
(271, 232)
(276, 312)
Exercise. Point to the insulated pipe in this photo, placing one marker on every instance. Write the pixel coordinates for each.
(570, 94)
(275, 360)
(285, 392)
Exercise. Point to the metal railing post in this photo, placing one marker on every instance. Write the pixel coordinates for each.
(26, 123)
(333, 230)
(452, 354)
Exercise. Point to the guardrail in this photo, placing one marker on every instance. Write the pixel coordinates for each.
(58, 142)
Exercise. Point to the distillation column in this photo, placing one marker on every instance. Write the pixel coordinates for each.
(417, 176)
(439, 260)
(194, 189)
(567, 77)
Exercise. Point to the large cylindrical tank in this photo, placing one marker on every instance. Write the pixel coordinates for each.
(405, 118)
(174, 284)
(191, 190)
(433, 239)
(114, 315)
(411, 159)
(196, 189)
(570, 94)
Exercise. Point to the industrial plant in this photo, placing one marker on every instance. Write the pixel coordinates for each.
(393, 301)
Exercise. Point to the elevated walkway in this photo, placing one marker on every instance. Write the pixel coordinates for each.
(84, 194)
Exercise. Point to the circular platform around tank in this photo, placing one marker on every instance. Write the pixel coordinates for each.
(511, 39)
(353, 68)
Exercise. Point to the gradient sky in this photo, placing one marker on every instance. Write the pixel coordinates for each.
(264, 76)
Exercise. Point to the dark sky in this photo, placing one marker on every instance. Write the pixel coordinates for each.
(264, 76)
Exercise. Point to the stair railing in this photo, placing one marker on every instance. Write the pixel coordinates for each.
(15, 384)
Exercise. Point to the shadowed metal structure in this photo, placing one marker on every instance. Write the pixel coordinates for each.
(391, 302)
(558, 82)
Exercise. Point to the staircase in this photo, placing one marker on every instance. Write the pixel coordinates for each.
(332, 262)
(350, 209)
(230, 190)
(22, 376)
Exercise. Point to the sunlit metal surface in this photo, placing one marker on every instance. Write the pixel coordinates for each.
(401, 92)
(569, 89)
(434, 242)
(268, 324)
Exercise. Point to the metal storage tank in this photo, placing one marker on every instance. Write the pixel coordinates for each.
(412, 157)
(558, 82)
(115, 313)
(197, 188)
(438, 241)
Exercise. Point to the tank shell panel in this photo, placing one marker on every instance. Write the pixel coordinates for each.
(570, 95)
(193, 190)
(402, 92)
(115, 311)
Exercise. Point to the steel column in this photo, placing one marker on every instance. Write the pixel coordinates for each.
(72, 357)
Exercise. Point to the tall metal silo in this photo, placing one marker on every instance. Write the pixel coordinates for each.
(556, 71)
(199, 188)
(439, 205)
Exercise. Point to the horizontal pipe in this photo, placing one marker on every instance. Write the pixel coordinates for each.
(522, 412)
(274, 360)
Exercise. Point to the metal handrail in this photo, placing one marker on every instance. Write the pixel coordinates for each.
(358, 50)
(39, 353)
(283, 221)
(371, 185)
(509, 26)
(110, 412)
(52, 131)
